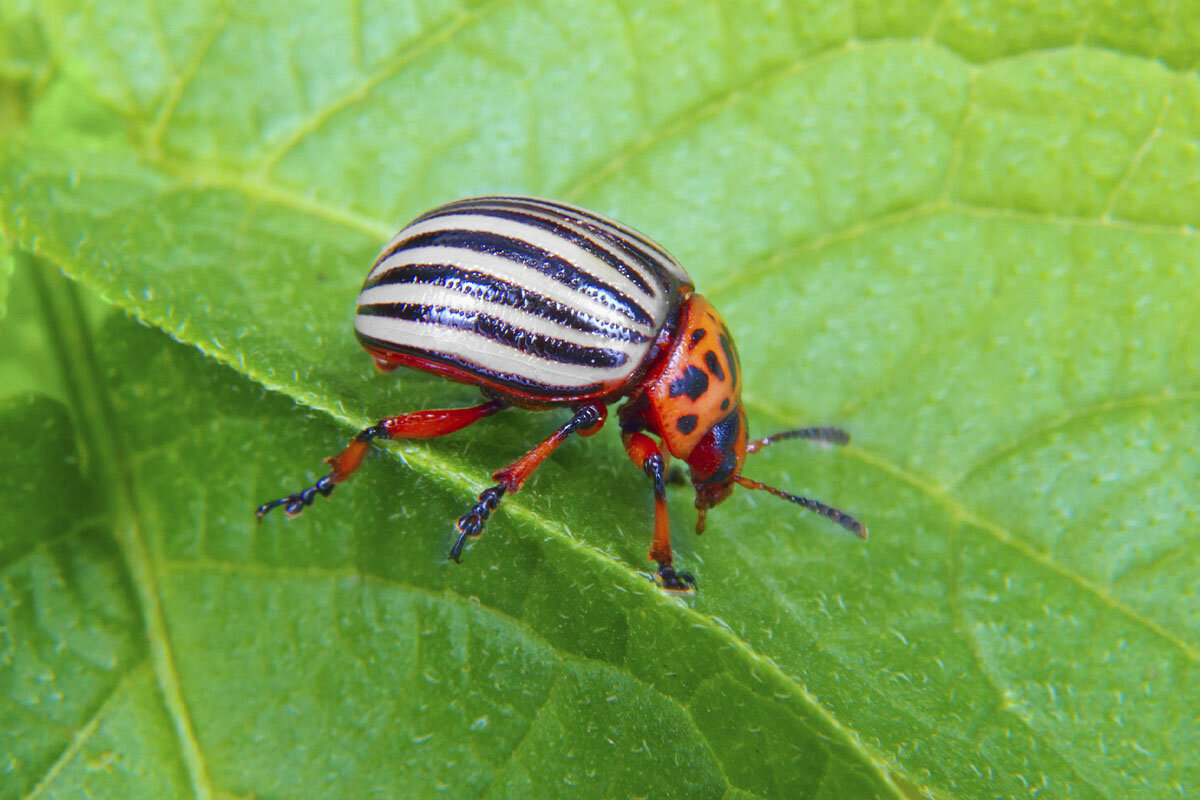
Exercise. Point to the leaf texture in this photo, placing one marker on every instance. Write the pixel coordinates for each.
(966, 233)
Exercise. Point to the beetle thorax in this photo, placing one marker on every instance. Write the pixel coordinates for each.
(693, 401)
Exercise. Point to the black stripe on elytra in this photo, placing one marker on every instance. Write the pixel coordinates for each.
(615, 233)
(503, 209)
(497, 330)
(526, 254)
(638, 246)
(622, 237)
(488, 288)
(697, 335)
(517, 383)
(592, 219)
(714, 365)
(693, 383)
(730, 356)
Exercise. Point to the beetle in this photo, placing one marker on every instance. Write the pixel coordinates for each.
(541, 305)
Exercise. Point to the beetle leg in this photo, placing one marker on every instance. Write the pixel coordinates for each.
(417, 425)
(644, 453)
(586, 421)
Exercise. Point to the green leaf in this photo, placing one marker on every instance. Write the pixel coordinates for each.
(6, 269)
(24, 55)
(25, 64)
(967, 233)
(81, 710)
(27, 358)
(349, 647)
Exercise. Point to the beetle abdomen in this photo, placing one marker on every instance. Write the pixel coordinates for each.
(531, 297)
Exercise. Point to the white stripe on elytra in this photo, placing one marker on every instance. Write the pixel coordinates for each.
(439, 296)
(523, 276)
(633, 262)
(573, 254)
(661, 254)
(493, 356)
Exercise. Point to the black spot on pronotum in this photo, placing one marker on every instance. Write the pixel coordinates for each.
(714, 365)
(694, 383)
(725, 404)
(697, 335)
(686, 424)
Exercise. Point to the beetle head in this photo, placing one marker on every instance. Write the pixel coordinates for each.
(716, 466)
(717, 460)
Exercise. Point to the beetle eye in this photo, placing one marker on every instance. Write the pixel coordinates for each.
(715, 458)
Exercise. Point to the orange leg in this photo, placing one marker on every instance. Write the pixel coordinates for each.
(417, 425)
(586, 421)
(646, 456)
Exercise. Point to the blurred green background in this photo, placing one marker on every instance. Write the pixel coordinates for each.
(965, 231)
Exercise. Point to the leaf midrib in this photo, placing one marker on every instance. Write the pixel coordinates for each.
(71, 344)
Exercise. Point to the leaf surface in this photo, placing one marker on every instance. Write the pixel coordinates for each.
(967, 234)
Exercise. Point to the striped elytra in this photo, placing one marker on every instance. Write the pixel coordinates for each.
(533, 298)
(542, 305)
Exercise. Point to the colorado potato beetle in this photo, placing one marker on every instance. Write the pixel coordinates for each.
(542, 304)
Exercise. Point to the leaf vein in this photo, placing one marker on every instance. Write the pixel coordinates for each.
(175, 93)
(700, 111)
(1063, 421)
(360, 92)
(959, 619)
(943, 495)
(775, 262)
(72, 349)
(708, 107)
(849, 739)
(82, 735)
(1002, 535)
(533, 718)
(1138, 156)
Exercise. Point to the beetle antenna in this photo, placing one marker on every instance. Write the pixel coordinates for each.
(817, 434)
(829, 512)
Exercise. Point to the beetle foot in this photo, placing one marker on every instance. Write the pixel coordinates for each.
(674, 581)
(293, 504)
(471, 524)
